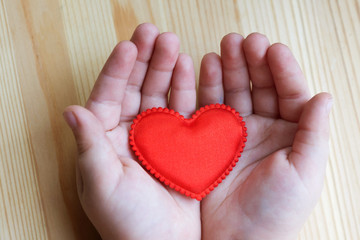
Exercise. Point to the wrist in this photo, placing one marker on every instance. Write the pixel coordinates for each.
(243, 232)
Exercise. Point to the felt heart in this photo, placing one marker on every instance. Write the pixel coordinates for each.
(192, 155)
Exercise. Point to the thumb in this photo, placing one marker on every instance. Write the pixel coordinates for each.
(98, 162)
(310, 148)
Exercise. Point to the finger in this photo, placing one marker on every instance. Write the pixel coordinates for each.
(98, 162)
(210, 84)
(157, 81)
(310, 148)
(264, 96)
(108, 92)
(235, 74)
(183, 87)
(144, 38)
(289, 80)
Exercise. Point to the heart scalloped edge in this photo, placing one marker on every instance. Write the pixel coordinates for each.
(197, 196)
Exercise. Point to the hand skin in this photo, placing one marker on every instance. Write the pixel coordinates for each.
(278, 180)
(120, 198)
(274, 186)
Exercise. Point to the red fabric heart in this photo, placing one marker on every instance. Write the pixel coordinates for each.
(192, 155)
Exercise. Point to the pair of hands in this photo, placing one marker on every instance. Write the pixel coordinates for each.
(271, 191)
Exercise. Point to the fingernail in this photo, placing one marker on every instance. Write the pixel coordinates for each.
(329, 105)
(70, 119)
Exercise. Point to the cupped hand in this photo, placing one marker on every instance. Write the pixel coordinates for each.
(121, 199)
(278, 179)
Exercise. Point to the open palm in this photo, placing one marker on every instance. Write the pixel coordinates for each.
(274, 186)
(278, 179)
(121, 199)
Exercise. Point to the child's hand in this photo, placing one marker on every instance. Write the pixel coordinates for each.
(279, 177)
(121, 199)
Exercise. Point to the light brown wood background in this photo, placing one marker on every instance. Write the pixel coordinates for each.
(52, 51)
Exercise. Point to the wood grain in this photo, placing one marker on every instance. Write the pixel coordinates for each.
(52, 51)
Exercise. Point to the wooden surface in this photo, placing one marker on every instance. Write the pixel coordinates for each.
(52, 51)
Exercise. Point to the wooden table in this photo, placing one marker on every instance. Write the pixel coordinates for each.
(52, 51)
